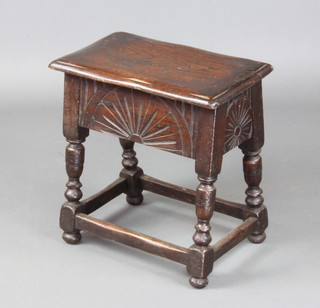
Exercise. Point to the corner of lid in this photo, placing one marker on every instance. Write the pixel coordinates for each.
(271, 67)
(215, 105)
(57, 65)
(52, 64)
(265, 69)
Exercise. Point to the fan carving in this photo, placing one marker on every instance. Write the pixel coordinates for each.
(239, 123)
(142, 118)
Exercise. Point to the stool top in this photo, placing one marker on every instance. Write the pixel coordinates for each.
(174, 71)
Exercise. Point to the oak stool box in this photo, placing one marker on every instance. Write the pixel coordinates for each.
(179, 99)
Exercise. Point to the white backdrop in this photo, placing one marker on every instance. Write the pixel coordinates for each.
(39, 270)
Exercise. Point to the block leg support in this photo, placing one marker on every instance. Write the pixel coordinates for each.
(200, 265)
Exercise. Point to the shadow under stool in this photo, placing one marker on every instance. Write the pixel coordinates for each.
(179, 99)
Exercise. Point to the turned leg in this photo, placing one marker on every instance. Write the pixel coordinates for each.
(252, 168)
(131, 172)
(209, 153)
(201, 254)
(74, 168)
(75, 135)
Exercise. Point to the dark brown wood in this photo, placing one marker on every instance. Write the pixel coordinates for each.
(131, 173)
(132, 239)
(252, 162)
(169, 190)
(139, 117)
(76, 135)
(209, 153)
(99, 199)
(200, 265)
(239, 121)
(71, 235)
(210, 142)
(74, 168)
(164, 69)
(205, 200)
(234, 237)
(261, 213)
(175, 98)
(252, 167)
(158, 122)
(207, 167)
(71, 110)
(256, 141)
(233, 209)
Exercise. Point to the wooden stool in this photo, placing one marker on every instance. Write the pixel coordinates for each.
(179, 99)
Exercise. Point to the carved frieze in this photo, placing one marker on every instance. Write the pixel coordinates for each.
(140, 117)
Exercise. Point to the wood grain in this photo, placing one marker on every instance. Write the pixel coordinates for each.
(131, 238)
(179, 72)
(180, 99)
(139, 117)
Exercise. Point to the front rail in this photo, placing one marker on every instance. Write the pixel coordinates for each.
(130, 238)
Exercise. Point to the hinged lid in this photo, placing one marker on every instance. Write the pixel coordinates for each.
(174, 71)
